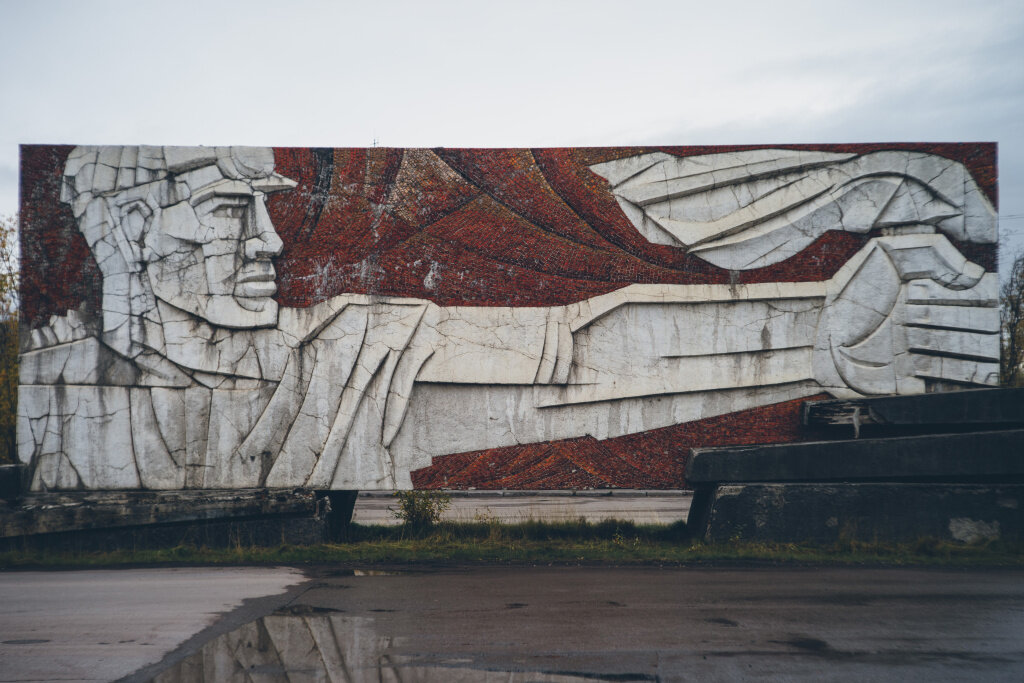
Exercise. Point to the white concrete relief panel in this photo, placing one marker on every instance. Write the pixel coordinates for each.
(193, 375)
(749, 209)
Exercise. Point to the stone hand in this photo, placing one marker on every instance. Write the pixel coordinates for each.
(905, 314)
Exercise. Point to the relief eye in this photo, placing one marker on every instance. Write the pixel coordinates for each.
(230, 211)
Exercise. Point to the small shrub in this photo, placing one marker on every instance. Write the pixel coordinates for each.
(420, 509)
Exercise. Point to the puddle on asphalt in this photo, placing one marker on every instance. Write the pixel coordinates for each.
(333, 647)
(369, 572)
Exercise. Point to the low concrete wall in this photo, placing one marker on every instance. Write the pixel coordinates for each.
(825, 513)
(149, 519)
(958, 485)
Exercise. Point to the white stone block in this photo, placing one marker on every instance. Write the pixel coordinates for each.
(487, 345)
(83, 178)
(151, 158)
(333, 361)
(981, 222)
(977, 345)
(104, 179)
(197, 434)
(97, 416)
(109, 155)
(78, 159)
(246, 162)
(956, 370)
(985, 294)
(181, 159)
(953, 317)
(201, 177)
(233, 414)
(157, 468)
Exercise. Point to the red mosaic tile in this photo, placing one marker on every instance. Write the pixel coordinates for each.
(501, 227)
(655, 459)
(58, 272)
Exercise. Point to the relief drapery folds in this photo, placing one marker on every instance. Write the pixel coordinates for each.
(192, 375)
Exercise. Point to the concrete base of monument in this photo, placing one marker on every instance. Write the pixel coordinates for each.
(103, 520)
(11, 481)
(961, 480)
(996, 456)
(827, 513)
(262, 517)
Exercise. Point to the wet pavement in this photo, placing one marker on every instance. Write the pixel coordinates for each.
(638, 506)
(102, 625)
(523, 624)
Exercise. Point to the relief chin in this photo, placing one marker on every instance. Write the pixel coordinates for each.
(235, 312)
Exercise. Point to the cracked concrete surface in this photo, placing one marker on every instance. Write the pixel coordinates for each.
(194, 377)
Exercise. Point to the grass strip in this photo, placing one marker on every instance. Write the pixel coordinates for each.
(606, 543)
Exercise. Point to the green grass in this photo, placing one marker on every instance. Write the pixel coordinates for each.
(605, 543)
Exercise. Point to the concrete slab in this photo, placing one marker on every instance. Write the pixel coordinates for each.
(994, 456)
(102, 520)
(41, 513)
(944, 410)
(640, 507)
(102, 625)
(826, 513)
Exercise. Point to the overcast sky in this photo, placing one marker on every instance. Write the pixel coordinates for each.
(490, 73)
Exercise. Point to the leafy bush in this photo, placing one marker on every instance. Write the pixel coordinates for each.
(421, 509)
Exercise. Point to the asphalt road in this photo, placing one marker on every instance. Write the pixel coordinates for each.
(517, 624)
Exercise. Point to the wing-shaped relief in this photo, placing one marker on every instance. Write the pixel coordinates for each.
(743, 210)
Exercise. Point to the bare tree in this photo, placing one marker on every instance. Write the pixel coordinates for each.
(9, 272)
(1011, 300)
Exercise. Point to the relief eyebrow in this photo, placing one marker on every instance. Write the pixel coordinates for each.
(223, 188)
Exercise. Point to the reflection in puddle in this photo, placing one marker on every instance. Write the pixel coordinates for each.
(370, 572)
(330, 648)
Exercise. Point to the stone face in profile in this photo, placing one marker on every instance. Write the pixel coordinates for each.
(666, 289)
(191, 220)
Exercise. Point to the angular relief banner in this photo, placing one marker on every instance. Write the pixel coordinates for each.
(232, 317)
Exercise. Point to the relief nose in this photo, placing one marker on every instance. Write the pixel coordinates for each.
(266, 242)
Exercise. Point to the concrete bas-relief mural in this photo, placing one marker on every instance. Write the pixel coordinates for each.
(232, 317)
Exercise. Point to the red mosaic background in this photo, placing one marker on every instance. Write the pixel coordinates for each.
(490, 227)
(495, 227)
(655, 459)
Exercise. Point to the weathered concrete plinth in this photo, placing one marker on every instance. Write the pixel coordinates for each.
(160, 519)
(970, 410)
(11, 484)
(826, 513)
(958, 484)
